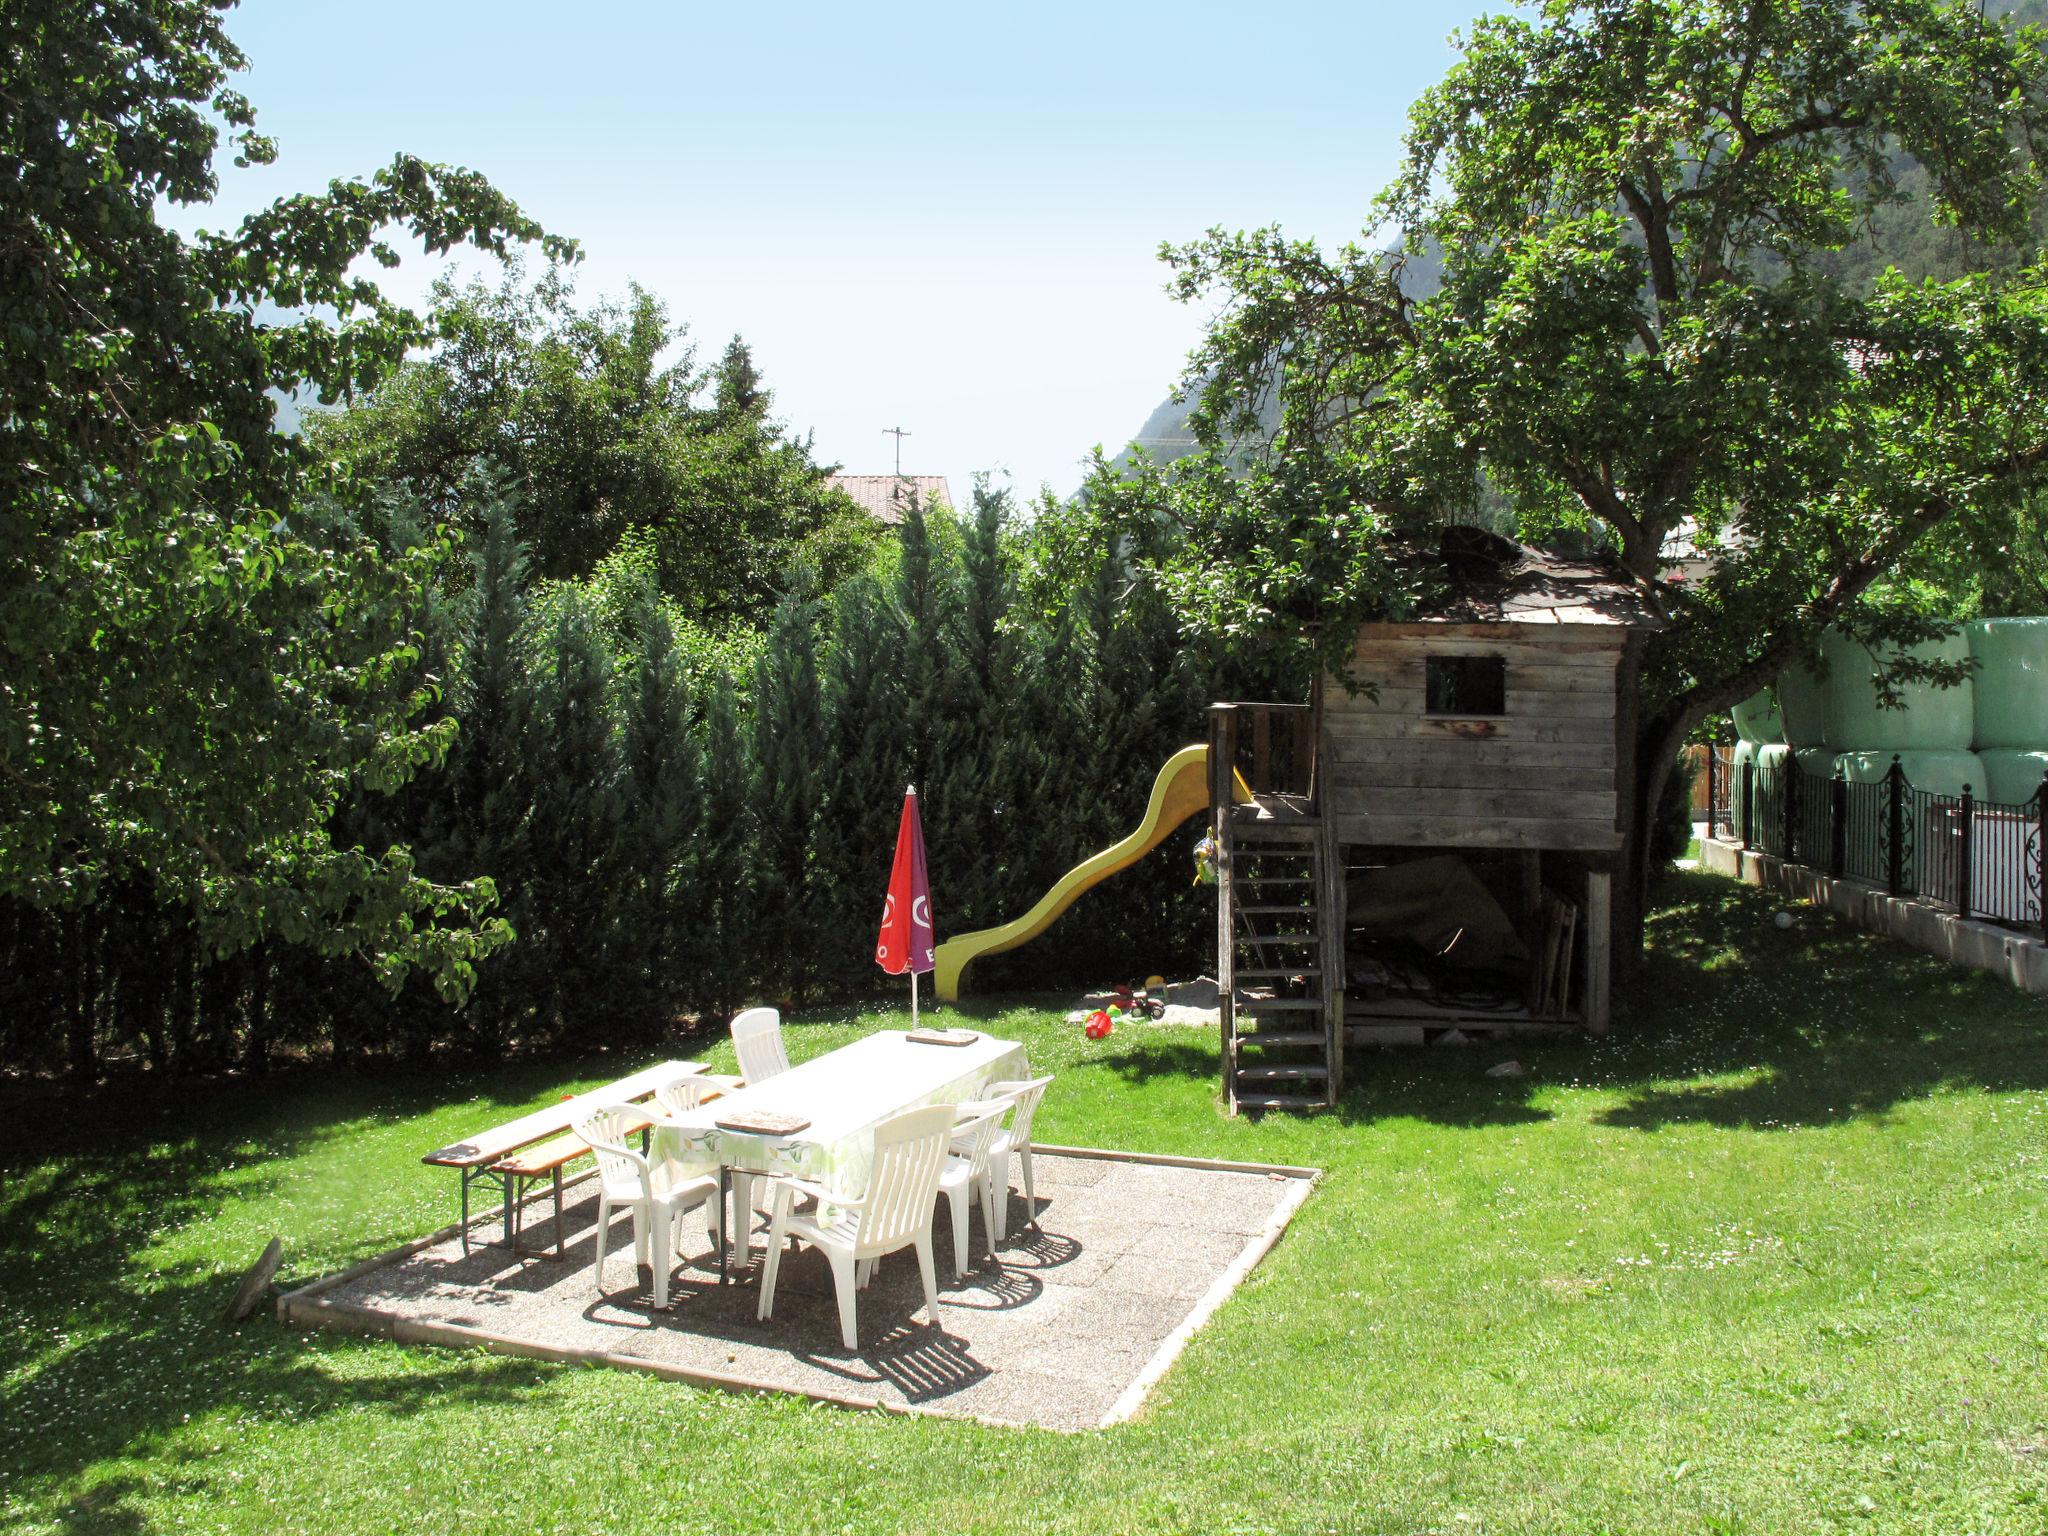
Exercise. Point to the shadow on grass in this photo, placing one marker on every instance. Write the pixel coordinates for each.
(1731, 1020)
(1734, 1021)
(109, 1357)
(1808, 1024)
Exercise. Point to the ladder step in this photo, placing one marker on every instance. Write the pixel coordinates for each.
(1277, 911)
(1289, 1071)
(1277, 1101)
(1280, 1037)
(1278, 938)
(1276, 879)
(1279, 1004)
(1278, 972)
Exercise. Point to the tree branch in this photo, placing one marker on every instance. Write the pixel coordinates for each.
(1689, 708)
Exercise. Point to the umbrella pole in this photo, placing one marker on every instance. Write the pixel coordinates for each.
(913, 999)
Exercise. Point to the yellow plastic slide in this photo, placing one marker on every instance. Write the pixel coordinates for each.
(1180, 791)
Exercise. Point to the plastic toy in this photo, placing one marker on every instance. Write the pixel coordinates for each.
(1140, 1001)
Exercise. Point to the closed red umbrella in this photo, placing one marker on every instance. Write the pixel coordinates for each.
(906, 939)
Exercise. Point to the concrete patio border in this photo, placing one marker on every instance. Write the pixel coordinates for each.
(304, 1306)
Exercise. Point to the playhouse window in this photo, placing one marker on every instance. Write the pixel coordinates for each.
(1467, 685)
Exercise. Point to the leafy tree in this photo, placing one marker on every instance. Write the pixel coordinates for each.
(982, 793)
(604, 439)
(662, 943)
(867, 758)
(198, 660)
(1639, 338)
(738, 396)
(566, 908)
(726, 851)
(927, 598)
(789, 762)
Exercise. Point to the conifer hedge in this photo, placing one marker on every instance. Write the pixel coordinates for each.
(679, 824)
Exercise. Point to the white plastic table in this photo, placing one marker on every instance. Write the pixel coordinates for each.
(845, 1094)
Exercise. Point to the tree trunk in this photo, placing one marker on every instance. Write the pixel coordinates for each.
(81, 986)
(220, 996)
(1657, 746)
(256, 1045)
(138, 981)
(184, 994)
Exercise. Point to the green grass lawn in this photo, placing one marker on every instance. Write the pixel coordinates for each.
(1773, 1258)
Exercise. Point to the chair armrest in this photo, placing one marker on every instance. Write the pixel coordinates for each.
(819, 1192)
(975, 1111)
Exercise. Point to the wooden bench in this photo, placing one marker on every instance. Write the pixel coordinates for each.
(477, 1159)
(544, 1160)
(547, 1159)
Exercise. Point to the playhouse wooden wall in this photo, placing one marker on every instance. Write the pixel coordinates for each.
(1548, 773)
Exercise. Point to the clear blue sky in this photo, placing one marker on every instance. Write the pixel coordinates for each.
(944, 217)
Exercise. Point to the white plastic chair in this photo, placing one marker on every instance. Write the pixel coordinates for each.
(680, 1095)
(627, 1181)
(1022, 1098)
(757, 1037)
(965, 1177)
(895, 1213)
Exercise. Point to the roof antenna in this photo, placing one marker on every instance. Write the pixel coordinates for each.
(899, 434)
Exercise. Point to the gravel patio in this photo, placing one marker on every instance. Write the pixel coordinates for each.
(1085, 1311)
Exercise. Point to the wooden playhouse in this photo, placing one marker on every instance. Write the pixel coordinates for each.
(1431, 846)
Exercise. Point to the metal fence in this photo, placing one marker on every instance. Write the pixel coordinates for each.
(1981, 857)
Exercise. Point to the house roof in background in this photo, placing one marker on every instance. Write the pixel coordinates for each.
(885, 498)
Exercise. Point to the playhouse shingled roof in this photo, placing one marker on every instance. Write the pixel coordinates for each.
(1483, 578)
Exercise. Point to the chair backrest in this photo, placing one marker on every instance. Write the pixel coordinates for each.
(757, 1037)
(680, 1095)
(910, 1153)
(1025, 1097)
(980, 1121)
(622, 1171)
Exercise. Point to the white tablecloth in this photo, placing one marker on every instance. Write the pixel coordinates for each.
(845, 1094)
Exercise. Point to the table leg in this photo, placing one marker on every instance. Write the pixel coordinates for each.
(558, 1213)
(465, 1213)
(511, 1237)
(724, 1220)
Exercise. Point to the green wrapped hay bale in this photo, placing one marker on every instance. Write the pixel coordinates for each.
(1774, 760)
(1938, 771)
(1745, 753)
(1929, 719)
(2011, 777)
(2011, 682)
(1803, 707)
(1777, 758)
(1757, 718)
(1818, 762)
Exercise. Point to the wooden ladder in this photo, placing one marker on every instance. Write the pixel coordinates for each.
(1280, 961)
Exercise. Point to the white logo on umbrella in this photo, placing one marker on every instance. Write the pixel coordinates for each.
(888, 909)
(921, 912)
